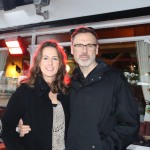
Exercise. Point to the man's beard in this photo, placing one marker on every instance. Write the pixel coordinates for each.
(85, 63)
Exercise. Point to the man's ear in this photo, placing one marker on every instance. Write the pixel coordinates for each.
(71, 47)
(97, 47)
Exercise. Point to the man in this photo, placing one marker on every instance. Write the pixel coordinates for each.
(104, 114)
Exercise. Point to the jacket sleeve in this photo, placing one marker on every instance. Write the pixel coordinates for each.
(14, 111)
(126, 115)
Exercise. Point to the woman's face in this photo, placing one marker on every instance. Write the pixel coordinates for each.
(49, 64)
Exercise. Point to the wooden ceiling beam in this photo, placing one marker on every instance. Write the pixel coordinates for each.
(118, 45)
(109, 51)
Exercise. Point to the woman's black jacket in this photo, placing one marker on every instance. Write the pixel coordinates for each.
(33, 105)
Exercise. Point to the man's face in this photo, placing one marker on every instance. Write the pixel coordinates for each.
(84, 48)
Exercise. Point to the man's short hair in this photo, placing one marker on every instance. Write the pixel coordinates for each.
(82, 29)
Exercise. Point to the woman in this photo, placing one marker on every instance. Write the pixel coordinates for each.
(42, 102)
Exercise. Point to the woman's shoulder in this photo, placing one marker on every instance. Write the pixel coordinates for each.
(24, 88)
(20, 96)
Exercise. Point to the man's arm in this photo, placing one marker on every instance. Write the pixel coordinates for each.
(23, 129)
(127, 118)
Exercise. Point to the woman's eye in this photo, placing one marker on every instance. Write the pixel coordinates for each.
(55, 58)
(45, 58)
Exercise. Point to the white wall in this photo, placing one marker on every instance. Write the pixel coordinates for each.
(63, 9)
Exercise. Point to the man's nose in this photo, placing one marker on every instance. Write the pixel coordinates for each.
(85, 49)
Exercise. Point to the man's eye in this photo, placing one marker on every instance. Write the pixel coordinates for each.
(79, 45)
(90, 45)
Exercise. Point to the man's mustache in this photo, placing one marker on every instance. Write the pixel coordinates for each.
(83, 55)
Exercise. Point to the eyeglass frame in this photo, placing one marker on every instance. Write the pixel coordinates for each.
(88, 48)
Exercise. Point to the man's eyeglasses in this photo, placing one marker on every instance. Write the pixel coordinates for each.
(88, 46)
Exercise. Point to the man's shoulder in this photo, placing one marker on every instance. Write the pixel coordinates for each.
(114, 71)
(118, 74)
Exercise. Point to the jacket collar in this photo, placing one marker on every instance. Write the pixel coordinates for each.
(95, 75)
(41, 86)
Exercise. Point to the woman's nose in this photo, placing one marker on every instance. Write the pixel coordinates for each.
(50, 61)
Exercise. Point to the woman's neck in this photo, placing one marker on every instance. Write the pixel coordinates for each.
(53, 97)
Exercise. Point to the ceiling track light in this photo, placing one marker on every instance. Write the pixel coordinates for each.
(38, 6)
(45, 14)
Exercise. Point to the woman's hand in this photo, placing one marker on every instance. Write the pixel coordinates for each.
(23, 129)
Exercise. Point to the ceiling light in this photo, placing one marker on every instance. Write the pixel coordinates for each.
(15, 45)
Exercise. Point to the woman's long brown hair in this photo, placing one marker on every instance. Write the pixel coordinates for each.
(58, 83)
